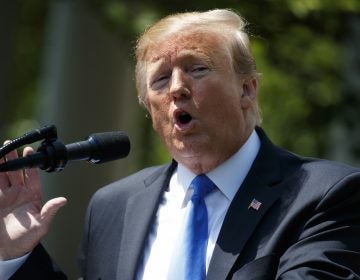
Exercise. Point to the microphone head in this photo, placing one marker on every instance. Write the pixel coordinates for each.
(108, 146)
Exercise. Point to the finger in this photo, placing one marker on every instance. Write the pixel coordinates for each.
(16, 178)
(27, 151)
(4, 180)
(50, 209)
(31, 175)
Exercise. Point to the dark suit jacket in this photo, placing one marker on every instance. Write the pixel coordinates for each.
(307, 227)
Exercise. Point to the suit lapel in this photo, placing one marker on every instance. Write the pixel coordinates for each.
(140, 213)
(241, 220)
(239, 223)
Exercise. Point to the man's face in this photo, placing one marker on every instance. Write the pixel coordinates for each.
(199, 106)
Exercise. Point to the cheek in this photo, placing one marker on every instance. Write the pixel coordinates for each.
(223, 107)
(158, 109)
(221, 99)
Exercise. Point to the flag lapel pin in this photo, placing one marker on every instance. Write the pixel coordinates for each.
(255, 204)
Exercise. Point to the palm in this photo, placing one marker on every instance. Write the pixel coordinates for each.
(23, 220)
(19, 214)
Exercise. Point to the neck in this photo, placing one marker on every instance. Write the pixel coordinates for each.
(204, 163)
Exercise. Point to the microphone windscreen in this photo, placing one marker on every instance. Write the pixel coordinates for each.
(109, 146)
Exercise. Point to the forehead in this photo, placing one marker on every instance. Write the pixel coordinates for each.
(197, 43)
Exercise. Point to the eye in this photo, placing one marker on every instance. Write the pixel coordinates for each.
(199, 70)
(160, 82)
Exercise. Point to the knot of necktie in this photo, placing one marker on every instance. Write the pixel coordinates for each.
(202, 186)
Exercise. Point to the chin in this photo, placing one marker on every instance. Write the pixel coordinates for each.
(190, 159)
(184, 148)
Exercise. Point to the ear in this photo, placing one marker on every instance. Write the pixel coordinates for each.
(249, 94)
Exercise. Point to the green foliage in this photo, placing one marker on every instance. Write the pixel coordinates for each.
(299, 48)
(300, 80)
(298, 45)
(26, 60)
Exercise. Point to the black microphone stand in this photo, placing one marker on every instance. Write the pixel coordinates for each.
(50, 149)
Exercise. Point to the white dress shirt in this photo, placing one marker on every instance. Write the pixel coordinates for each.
(8, 268)
(163, 239)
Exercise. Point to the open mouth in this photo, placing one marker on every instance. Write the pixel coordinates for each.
(182, 117)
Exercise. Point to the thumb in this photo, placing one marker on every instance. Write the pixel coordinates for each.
(50, 209)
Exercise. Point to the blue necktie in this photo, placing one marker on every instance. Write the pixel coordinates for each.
(196, 235)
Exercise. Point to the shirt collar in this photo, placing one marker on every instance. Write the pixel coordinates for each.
(228, 176)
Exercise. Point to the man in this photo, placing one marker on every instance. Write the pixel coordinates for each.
(270, 214)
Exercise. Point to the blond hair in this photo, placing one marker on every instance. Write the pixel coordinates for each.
(221, 21)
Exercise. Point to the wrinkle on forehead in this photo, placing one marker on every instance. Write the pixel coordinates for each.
(199, 44)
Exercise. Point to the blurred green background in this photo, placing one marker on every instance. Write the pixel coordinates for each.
(71, 63)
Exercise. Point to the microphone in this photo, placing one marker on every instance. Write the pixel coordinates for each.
(46, 132)
(53, 156)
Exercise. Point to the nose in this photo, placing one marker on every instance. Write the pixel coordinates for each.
(180, 87)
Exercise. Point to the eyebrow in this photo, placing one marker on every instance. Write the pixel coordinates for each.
(186, 54)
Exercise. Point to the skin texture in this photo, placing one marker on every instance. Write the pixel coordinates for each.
(186, 74)
(191, 74)
(23, 219)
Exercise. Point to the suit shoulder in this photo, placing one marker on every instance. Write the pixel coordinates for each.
(314, 166)
(328, 168)
(318, 178)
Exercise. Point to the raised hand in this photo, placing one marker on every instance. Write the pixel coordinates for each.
(23, 218)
